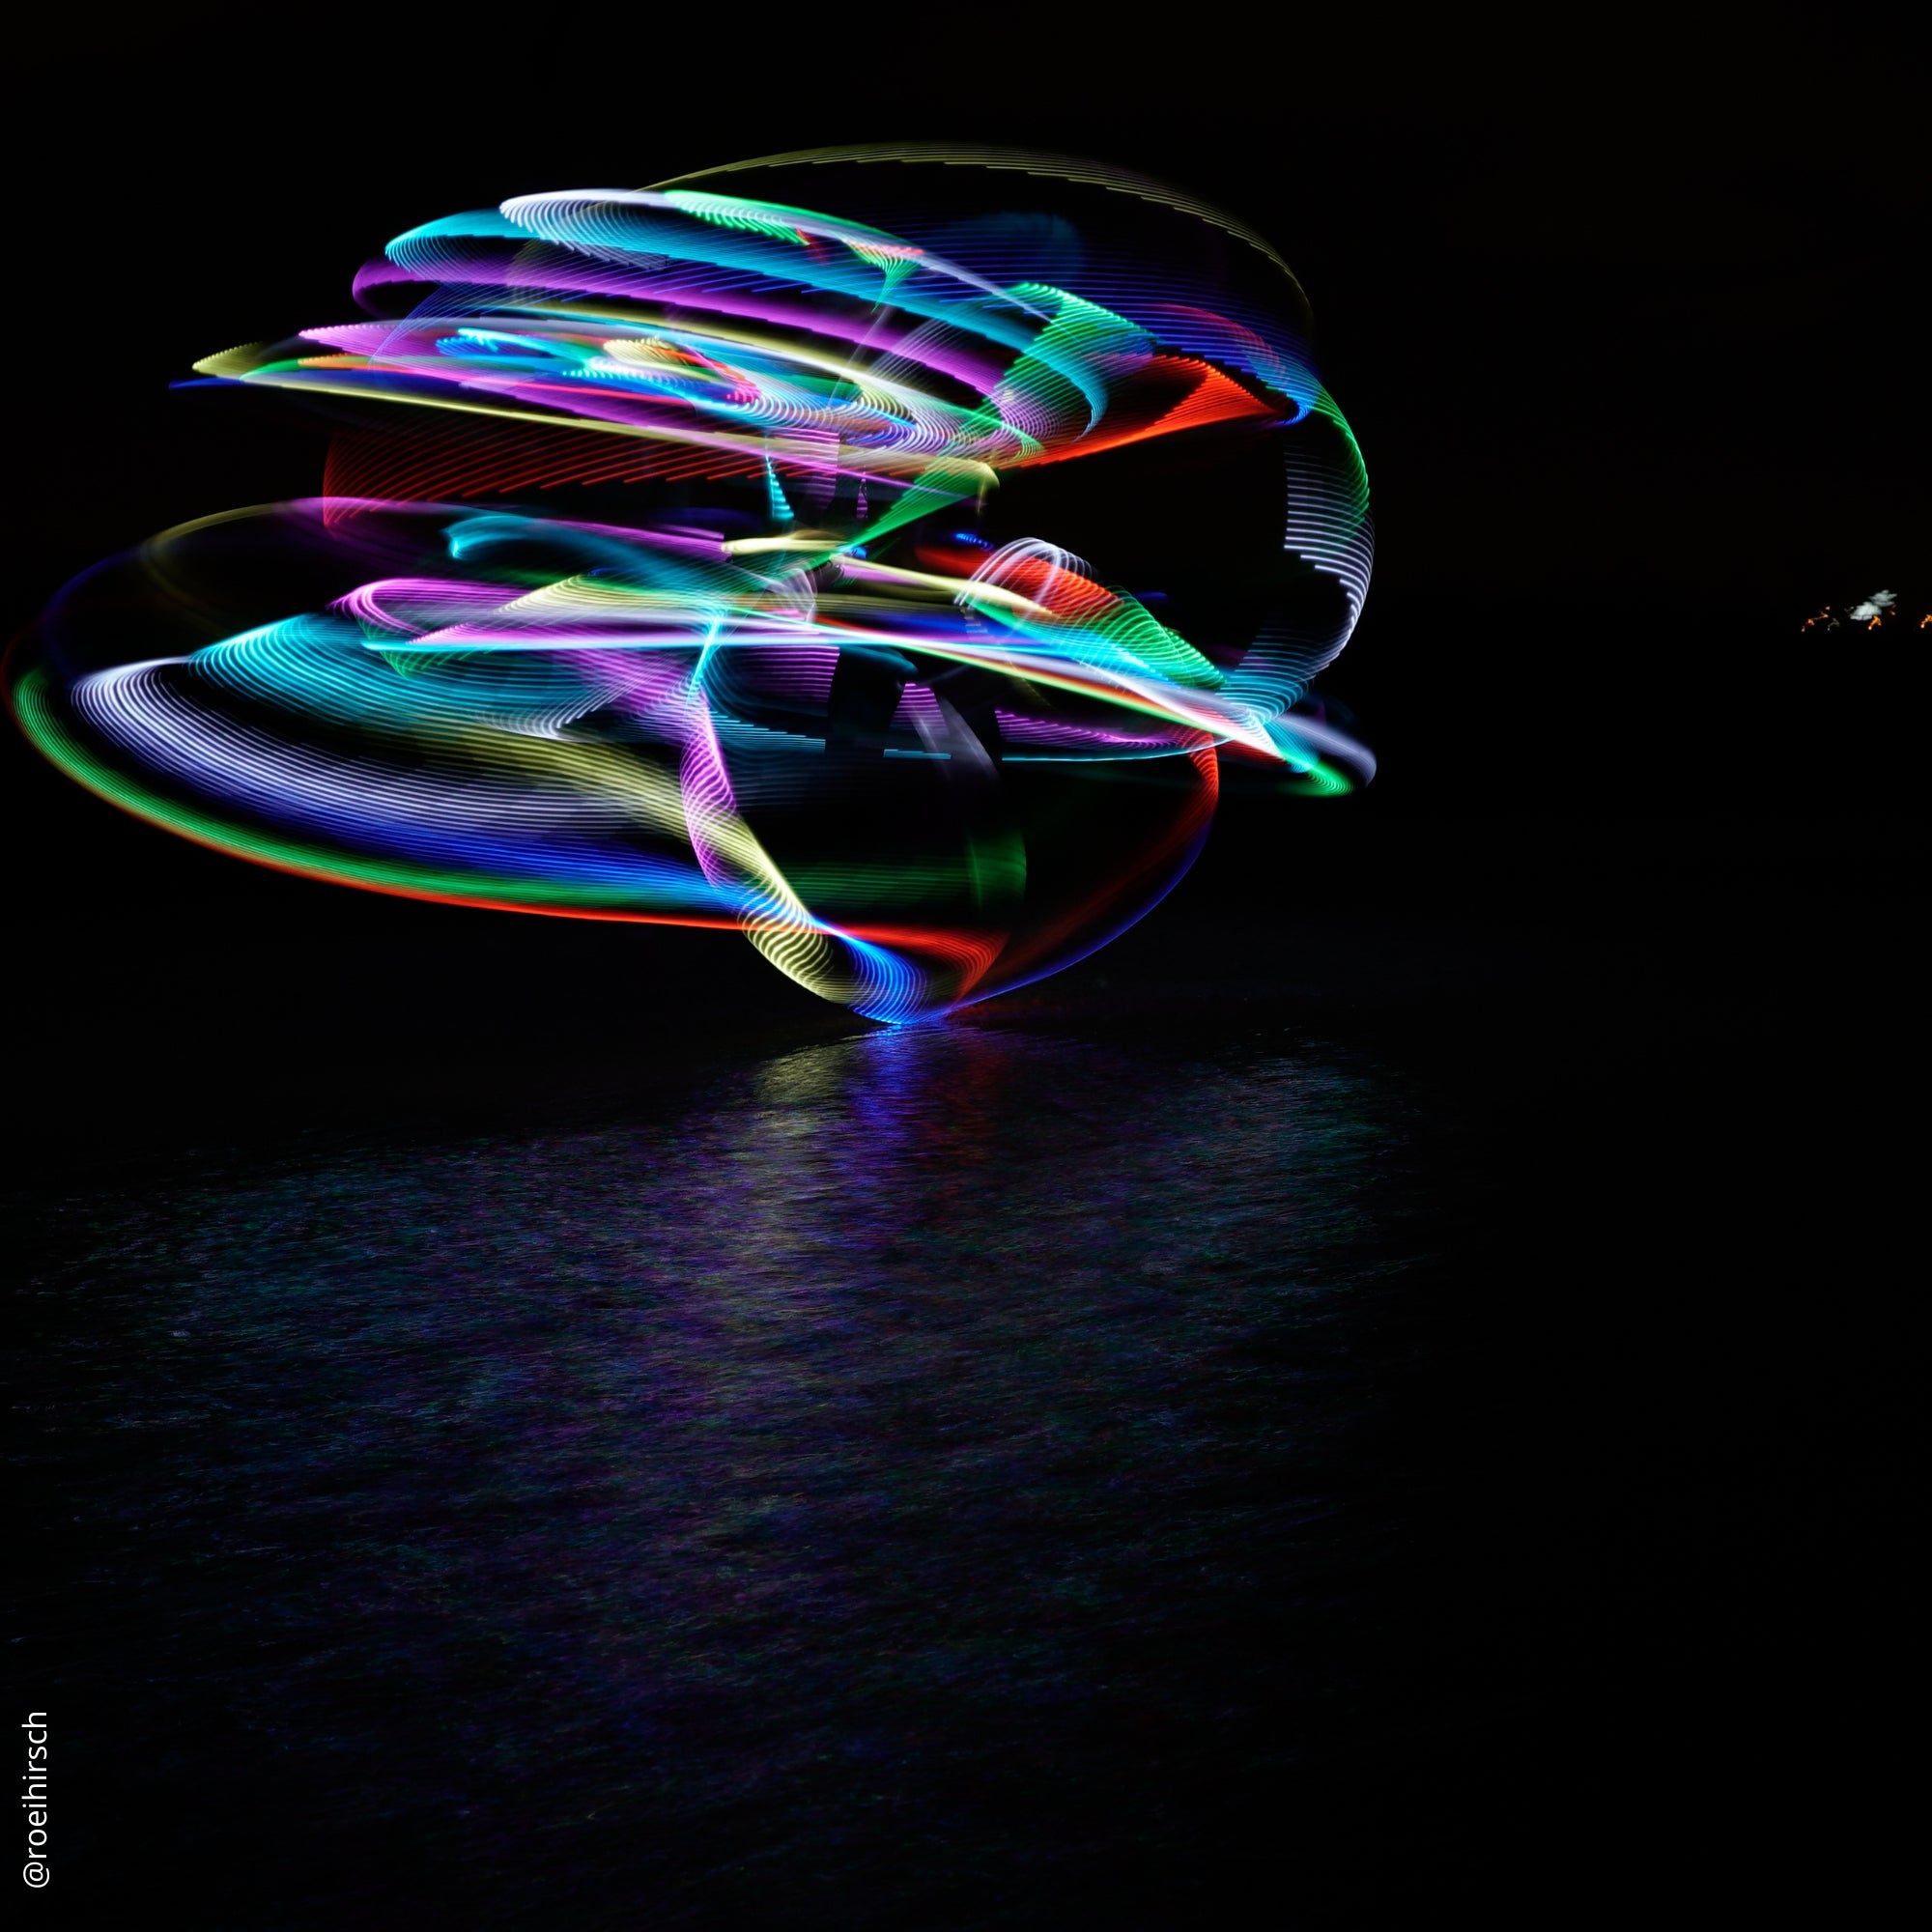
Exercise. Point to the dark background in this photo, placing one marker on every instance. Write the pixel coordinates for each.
(1621, 311)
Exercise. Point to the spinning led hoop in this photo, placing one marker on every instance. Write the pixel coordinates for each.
(789, 678)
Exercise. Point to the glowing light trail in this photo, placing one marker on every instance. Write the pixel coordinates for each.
(770, 685)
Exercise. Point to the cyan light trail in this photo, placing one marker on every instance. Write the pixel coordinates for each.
(786, 692)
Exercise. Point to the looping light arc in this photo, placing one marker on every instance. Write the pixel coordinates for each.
(663, 572)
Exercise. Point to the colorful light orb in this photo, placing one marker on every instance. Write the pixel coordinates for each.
(671, 566)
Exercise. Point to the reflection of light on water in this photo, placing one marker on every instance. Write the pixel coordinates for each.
(867, 1421)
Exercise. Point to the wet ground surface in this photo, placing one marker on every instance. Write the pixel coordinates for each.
(1410, 1413)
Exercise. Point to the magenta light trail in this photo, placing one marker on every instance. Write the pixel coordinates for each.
(667, 569)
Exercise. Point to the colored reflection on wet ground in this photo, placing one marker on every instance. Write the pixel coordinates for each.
(852, 1497)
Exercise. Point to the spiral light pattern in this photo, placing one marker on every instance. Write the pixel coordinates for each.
(787, 676)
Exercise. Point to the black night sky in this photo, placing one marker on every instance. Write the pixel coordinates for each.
(1605, 1600)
